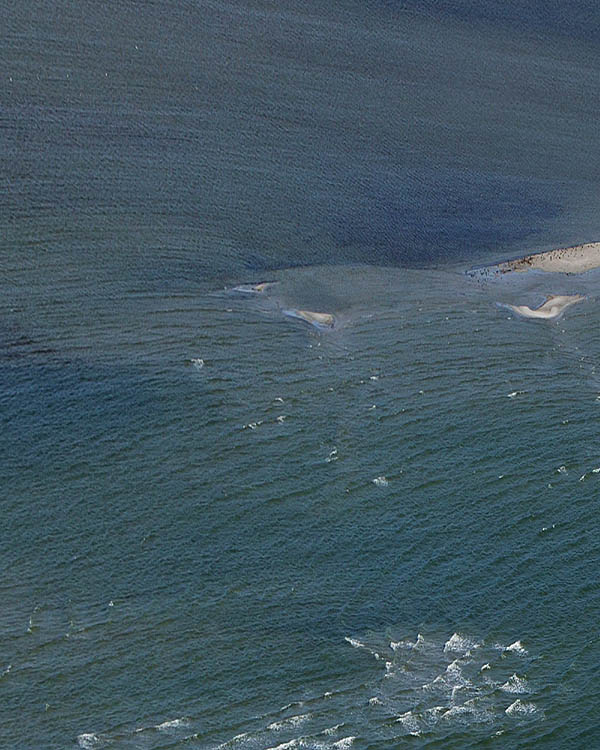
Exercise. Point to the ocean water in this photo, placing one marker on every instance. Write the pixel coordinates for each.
(226, 528)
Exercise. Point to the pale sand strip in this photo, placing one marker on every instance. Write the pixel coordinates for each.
(254, 288)
(321, 320)
(552, 308)
(576, 259)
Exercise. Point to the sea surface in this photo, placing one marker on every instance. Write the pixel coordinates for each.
(223, 527)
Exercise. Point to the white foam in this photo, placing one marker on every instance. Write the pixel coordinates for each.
(234, 740)
(197, 362)
(514, 394)
(517, 646)
(460, 644)
(354, 642)
(519, 708)
(375, 701)
(454, 672)
(409, 721)
(281, 418)
(468, 710)
(333, 455)
(332, 730)
(515, 684)
(289, 723)
(286, 745)
(380, 481)
(172, 724)
(87, 741)
(6, 670)
(344, 742)
(252, 425)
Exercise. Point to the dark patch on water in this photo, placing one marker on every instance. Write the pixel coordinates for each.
(423, 217)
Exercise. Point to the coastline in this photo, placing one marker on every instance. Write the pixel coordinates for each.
(576, 259)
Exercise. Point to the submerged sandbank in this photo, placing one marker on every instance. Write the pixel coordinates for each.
(552, 308)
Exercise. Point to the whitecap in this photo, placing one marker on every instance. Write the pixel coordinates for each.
(291, 721)
(197, 362)
(517, 646)
(409, 721)
(515, 684)
(333, 455)
(252, 425)
(87, 741)
(519, 708)
(515, 393)
(344, 742)
(286, 745)
(467, 710)
(354, 642)
(460, 644)
(172, 724)
(380, 481)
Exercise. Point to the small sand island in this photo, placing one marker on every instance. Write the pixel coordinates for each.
(318, 319)
(577, 259)
(253, 288)
(552, 308)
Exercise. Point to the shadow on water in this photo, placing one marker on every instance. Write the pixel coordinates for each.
(424, 216)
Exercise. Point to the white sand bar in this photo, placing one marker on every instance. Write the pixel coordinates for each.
(552, 308)
(576, 259)
(253, 288)
(318, 319)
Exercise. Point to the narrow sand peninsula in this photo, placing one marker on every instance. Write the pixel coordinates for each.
(318, 319)
(552, 308)
(576, 259)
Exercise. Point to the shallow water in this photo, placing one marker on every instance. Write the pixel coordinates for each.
(222, 526)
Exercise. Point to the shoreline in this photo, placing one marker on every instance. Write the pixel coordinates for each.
(568, 260)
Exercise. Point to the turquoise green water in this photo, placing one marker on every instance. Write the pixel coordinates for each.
(222, 526)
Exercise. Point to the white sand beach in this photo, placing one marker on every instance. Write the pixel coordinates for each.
(577, 259)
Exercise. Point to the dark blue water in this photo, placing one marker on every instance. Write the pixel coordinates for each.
(223, 527)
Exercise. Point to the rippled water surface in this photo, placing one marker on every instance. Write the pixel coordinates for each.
(224, 527)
